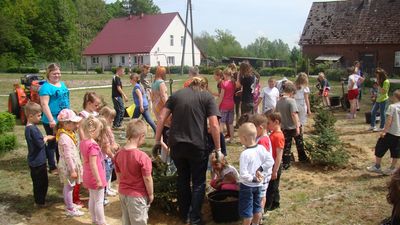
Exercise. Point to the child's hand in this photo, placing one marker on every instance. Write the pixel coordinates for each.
(48, 138)
(259, 176)
(274, 175)
(151, 198)
(74, 175)
(99, 184)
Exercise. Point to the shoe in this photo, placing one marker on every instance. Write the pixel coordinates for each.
(74, 212)
(374, 169)
(111, 193)
(372, 128)
(79, 203)
(78, 206)
(54, 171)
(113, 190)
(106, 202)
(285, 166)
(118, 128)
(45, 205)
(389, 171)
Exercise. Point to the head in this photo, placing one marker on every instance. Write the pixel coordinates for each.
(194, 71)
(247, 134)
(91, 102)
(227, 73)
(218, 161)
(302, 80)
(321, 76)
(161, 72)
(274, 121)
(53, 73)
(356, 64)
(120, 70)
(218, 74)
(351, 70)
(199, 83)
(375, 85)
(145, 68)
(103, 134)
(134, 78)
(68, 120)
(245, 69)
(91, 127)
(108, 113)
(396, 95)
(233, 67)
(393, 196)
(33, 112)
(244, 118)
(136, 131)
(260, 121)
(381, 76)
(271, 82)
(289, 88)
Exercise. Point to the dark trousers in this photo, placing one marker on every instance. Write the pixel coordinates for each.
(247, 108)
(191, 164)
(273, 196)
(287, 153)
(40, 183)
(51, 148)
(119, 109)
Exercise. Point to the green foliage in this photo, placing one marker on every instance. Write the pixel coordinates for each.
(335, 74)
(321, 67)
(8, 142)
(206, 70)
(177, 69)
(324, 119)
(99, 70)
(22, 70)
(7, 122)
(282, 71)
(315, 102)
(393, 87)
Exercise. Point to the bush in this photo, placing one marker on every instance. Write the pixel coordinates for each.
(22, 70)
(285, 71)
(8, 142)
(266, 71)
(335, 74)
(177, 69)
(324, 119)
(99, 70)
(206, 70)
(8, 60)
(315, 102)
(7, 122)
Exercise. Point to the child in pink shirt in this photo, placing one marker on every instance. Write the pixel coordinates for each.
(94, 177)
(133, 168)
(226, 102)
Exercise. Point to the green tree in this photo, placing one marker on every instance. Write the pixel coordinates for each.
(115, 9)
(259, 48)
(295, 55)
(133, 7)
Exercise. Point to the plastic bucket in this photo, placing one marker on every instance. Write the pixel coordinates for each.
(224, 206)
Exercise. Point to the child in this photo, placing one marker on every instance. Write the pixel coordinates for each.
(352, 93)
(389, 139)
(133, 168)
(302, 97)
(36, 153)
(291, 126)
(323, 87)
(253, 159)
(226, 103)
(69, 165)
(118, 98)
(269, 96)
(225, 176)
(374, 92)
(218, 77)
(394, 198)
(382, 99)
(278, 143)
(94, 177)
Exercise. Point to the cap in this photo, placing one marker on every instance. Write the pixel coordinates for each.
(68, 115)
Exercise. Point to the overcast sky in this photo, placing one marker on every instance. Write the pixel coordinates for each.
(247, 20)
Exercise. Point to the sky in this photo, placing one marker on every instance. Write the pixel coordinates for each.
(245, 19)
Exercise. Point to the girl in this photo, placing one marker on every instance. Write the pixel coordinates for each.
(323, 87)
(94, 177)
(141, 102)
(224, 176)
(393, 197)
(246, 81)
(352, 87)
(381, 100)
(302, 97)
(226, 103)
(218, 77)
(70, 165)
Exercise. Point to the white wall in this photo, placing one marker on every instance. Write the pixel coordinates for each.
(163, 48)
(117, 61)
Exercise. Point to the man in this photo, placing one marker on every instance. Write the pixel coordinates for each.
(191, 107)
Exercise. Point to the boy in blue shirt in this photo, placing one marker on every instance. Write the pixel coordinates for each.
(36, 152)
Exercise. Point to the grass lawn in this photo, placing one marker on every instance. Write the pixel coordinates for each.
(309, 195)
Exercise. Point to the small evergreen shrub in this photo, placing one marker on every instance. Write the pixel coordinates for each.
(324, 119)
(7, 122)
(99, 70)
(206, 70)
(8, 142)
(315, 102)
(177, 69)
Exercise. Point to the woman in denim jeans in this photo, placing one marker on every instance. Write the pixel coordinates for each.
(141, 102)
(381, 99)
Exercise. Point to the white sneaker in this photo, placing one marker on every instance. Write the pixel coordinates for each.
(74, 212)
(106, 202)
(77, 206)
(111, 193)
(374, 169)
(389, 171)
(372, 128)
(113, 190)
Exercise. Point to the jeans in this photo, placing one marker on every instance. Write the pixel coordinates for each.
(381, 106)
(191, 164)
(146, 116)
(40, 183)
(51, 148)
(119, 109)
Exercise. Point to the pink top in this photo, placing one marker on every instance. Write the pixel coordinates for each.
(227, 102)
(132, 165)
(90, 148)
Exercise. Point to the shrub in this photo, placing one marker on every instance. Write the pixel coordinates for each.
(321, 67)
(267, 71)
(22, 70)
(285, 71)
(206, 69)
(315, 102)
(393, 87)
(324, 119)
(8, 142)
(335, 74)
(8, 60)
(99, 70)
(7, 122)
(177, 69)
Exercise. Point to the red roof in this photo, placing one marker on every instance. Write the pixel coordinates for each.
(130, 35)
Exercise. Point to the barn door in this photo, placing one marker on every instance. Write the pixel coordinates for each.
(368, 61)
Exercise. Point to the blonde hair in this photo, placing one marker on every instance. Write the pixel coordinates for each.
(90, 97)
(50, 68)
(302, 80)
(233, 67)
(135, 128)
(107, 112)
(248, 130)
(259, 120)
(90, 125)
(396, 94)
(289, 87)
(228, 71)
(218, 157)
(200, 83)
(32, 108)
(102, 139)
(321, 76)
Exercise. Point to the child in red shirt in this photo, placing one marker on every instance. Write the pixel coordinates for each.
(278, 143)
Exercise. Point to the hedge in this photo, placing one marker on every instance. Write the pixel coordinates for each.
(22, 70)
(8, 142)
(285, 71)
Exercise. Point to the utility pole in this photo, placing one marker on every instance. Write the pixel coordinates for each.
(188, 10)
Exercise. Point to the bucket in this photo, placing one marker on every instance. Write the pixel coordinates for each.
(368, 117)
(335, 101)
(224, 206)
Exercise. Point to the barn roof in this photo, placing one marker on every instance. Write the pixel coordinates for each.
(353, 22)
(134, 34)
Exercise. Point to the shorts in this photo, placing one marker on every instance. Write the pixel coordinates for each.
(134, 209)
(389, 141)
(352, 94)
(227, 116)
(264, 189)
(249, 201)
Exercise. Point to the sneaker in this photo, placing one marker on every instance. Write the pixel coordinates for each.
(74, 212)
(372, 128)
(111, 193)
(389, 171)
(106, 202)
(113, 190)
(77, 206)
(374, 169)
(54, 171)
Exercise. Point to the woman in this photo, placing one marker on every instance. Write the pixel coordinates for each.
(54, 97)
(381, 99)
(246, 81)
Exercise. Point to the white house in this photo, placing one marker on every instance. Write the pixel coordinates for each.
(146, 39)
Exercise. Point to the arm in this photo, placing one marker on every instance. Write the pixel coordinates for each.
(238, 84)
(214, 130)
(95, 171)
(385, 88)
(296, 121)
(160, 124)
(278, 160)
(388, 123)
(148, 182)
(163, 92)
(44, 102)
(220, 97)
(140, 97)
(68, 147)
(229, 179)
(122, 93)
(307, 100)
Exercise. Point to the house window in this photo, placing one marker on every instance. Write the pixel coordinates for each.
(171, 60)
(171, 40)
(397, 59)
(110, 59)
(123, 60)
(95, 60)
(181, 40)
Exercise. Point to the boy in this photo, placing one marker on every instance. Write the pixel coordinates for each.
(269, 96)
(253, 161)
(133, 168)
(278, 143)
(389, 139)
(291, 127)
(118, 97)
(36, 152)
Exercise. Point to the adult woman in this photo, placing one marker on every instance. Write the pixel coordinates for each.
(381, 99)
(54, 97)
(246, 81)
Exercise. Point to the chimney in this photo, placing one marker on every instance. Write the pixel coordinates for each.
(141, 15)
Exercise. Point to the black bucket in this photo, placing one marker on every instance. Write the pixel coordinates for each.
(368, 117)
(224, 206)
(335, 101)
